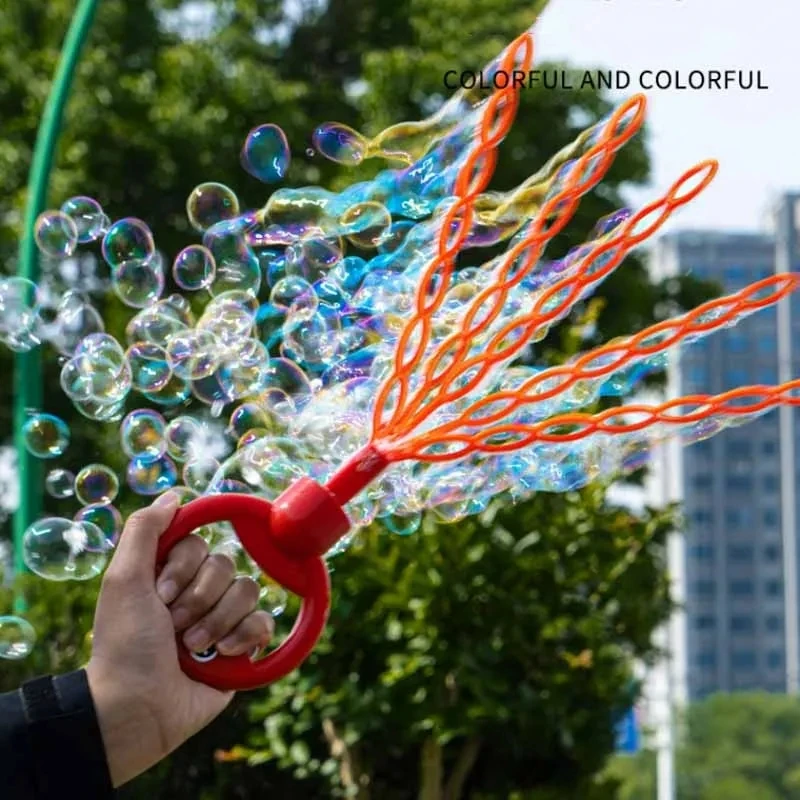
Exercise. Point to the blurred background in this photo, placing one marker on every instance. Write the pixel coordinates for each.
(630, 641)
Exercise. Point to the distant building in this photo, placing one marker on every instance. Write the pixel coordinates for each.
(739, 487)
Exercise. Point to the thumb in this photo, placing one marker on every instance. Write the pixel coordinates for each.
(136, 551)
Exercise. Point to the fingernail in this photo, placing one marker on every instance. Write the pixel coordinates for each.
(180, 618)
(196, 639)
(167, 590)
(166, 500)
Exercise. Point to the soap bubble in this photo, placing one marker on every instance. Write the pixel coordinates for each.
(147, 476)
(340, 143)
(139, 283)
(142, 434)
(17, 638)
(150, 369)
(182, 435)
(106, 517)
(56, 234)
(194, 268)
(197, 474)
(61, 549)
(45, 435)
(128, 241)
(266, 154)
(60, 483)
(193, 354)
(211, 203)
(96, 483)
(90, 221)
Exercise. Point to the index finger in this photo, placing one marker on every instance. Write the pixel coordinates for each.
(183, 563)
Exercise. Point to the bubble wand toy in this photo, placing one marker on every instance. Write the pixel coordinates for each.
(430, 407)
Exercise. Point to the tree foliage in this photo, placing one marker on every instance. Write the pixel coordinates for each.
(733, 747)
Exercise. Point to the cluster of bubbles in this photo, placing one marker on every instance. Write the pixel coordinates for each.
(264, 365)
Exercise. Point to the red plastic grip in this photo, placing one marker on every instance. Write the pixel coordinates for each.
(254, 520)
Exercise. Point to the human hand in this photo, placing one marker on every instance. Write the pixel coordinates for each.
(146, 705)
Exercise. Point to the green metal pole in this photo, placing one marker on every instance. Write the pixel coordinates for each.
(28, 366)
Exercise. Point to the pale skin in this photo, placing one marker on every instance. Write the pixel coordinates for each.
(146, 706)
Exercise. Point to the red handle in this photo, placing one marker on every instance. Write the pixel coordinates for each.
(256, 521)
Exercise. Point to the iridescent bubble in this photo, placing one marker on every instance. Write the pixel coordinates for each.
(96, 483)
(247, 417)
(148, 477)
(75, 319)
(150, 369)
(45, 436)
(340, 143)
(296, 293)
(104, 516)
(403, 525)
(174, 393)
(181, 435)
(266, 154)
(210, 203)
(197, 474)
(60, 483)
(128, 241)
(98, 372)
(139, 283)
(87, 214)
(157, 323)
(20, 301)
(61, 549)
(194, 268)
(366, 224)
(193, 354)
(56, 234)
(142, 434)
(17, 638)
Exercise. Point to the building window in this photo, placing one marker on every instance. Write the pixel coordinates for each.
(738, 448)
(707, 658)
(702, 481)
(736, 342)
(767, 375)
(770, 518)
(739, 483)
(773, 588)
(770, 483)
(742, 624)
(741, 588)
(767, 343)
(697, 378)
(774, 659)
(740, 552)
(773, 623)
(733, 518)
(772, 552)
(743, 659)
(702, 552)
(704, 588)
(705, 623)
(702, 448)
(702, 517)
(735, 377)
(735, 275)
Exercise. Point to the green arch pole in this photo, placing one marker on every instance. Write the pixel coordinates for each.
(28, 366)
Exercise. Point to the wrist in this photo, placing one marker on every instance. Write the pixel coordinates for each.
(131, 735)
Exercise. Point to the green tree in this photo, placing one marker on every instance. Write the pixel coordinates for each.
(733, 747)
(477, 659)
(165, 95)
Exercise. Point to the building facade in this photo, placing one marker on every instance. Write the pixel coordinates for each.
(736, 566)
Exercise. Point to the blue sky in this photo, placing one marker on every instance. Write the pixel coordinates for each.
(754, 134)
